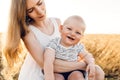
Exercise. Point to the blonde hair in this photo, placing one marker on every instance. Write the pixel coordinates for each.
(76, 18)
(17, 29)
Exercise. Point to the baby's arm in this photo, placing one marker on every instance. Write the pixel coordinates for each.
(88, 58)
(49, 57)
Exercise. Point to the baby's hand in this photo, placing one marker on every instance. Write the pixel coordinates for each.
(91, 71)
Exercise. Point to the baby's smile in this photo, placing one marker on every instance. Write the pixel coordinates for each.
(71, 38)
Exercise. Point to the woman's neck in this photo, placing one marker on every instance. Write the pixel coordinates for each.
(40, 24)
(45, 26)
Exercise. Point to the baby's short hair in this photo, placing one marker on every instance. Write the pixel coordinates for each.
(76, 18)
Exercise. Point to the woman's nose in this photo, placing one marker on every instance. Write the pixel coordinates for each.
(39, 10)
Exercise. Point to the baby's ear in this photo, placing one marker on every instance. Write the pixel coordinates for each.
(60, 28)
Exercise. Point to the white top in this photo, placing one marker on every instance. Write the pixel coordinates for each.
(66, 53)
(30, 70)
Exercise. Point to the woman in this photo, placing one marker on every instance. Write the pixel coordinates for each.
(28, 22)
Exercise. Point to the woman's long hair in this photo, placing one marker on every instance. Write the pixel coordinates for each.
(17, 29)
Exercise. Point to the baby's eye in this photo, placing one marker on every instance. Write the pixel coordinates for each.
(69, 28)
(78, 33)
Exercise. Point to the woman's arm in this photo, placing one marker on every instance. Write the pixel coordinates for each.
(88, 57)
(33, 46)
(65, 66)
(49, 57)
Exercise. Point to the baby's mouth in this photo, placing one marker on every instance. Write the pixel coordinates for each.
(71, 38)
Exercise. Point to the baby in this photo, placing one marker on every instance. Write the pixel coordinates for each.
(68, 47)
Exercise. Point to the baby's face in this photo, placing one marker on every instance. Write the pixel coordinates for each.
(71, 33)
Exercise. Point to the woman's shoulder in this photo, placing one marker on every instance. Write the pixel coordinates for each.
(29, 35)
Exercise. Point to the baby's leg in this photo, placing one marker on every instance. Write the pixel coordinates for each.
(59, 76)
(76, 75)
